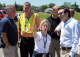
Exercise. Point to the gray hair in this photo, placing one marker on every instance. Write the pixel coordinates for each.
(9, 7)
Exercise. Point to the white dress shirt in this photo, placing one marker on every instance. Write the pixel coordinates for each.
(70, 35)
(39, 43)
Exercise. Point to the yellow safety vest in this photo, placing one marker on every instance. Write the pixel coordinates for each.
(27, 25)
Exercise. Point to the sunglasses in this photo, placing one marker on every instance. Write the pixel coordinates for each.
(61, 13)
(53, 9)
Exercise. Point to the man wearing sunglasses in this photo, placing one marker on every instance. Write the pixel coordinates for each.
(58, 28)
(55, 39)
(69, 33)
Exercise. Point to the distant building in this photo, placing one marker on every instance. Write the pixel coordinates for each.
(36, 10)
(48, 10)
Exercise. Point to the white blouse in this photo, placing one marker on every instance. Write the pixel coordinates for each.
(42, 43)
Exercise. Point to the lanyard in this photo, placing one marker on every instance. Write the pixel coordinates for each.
(27, 20)
(45, 41)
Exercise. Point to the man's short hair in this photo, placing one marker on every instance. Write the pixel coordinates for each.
(66, 10)
(9, 7)
(27, 3)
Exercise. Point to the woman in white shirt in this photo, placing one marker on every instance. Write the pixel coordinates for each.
(42, 39)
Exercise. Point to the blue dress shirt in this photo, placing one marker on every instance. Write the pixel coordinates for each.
(79, 31)
(70, 35)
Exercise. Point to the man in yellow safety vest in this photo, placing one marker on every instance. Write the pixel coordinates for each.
(26, 24)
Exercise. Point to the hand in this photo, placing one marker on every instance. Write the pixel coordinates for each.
(35, 28)
(8, 46)
(35, 31)
(55, 31)
(58, 33)
(19, 41)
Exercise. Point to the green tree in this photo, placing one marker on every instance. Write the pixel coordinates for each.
(16, 6)
(1, 6)
(35, 9)
(51, 5)
(43, 7)
(66, 4)
(76, 7)
(4, 6)
(20, 7)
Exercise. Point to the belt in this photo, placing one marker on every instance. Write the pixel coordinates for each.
(26, 37)
(66, 48)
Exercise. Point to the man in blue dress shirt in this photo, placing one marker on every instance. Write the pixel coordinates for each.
(69, 33)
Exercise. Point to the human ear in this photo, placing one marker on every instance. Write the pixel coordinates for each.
(66, 13)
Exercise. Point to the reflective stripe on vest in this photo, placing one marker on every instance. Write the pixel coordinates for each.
(27, 26)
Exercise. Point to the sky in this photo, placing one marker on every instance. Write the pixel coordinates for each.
(39, 2)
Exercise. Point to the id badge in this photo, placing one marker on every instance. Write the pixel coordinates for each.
(27, 29)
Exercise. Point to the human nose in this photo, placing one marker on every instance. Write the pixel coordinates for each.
(46, 26)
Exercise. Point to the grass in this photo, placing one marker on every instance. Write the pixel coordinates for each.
(77, 16)
(44, 16)
(19, 11)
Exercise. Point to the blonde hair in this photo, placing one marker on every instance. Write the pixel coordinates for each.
(45, 21)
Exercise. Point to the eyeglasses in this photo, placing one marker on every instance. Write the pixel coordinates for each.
(61, 13)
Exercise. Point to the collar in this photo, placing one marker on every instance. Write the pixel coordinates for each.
(43, 34)
(69, 20)
(52, 17)
(26, 16)
(9, 17)
(72, 17)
